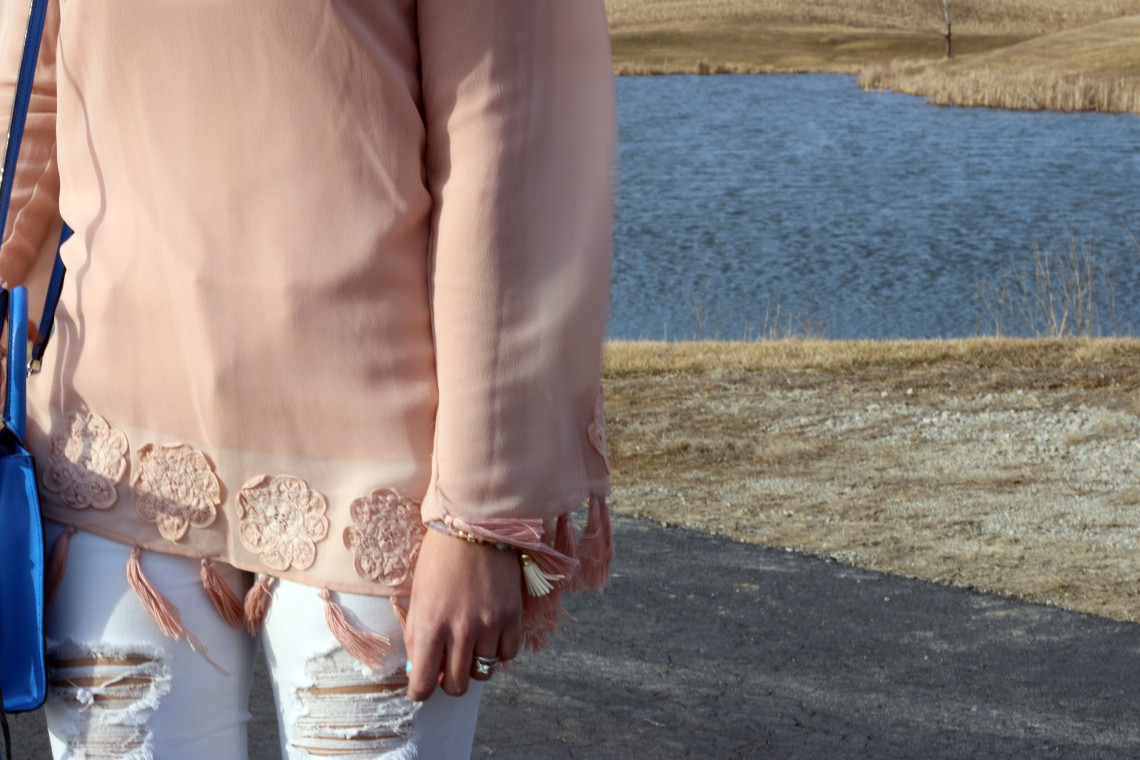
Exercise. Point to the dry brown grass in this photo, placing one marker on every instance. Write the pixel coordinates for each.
(735, 36)
(828, 448)
(1003, 17)
(1092, 69)
(757, 47)
(627, 358)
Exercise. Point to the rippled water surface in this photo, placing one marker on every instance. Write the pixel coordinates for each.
(866, 215)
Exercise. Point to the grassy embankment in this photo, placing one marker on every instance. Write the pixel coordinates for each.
(961, 367)
(997, 464)
(1002, 58)
(626, 358)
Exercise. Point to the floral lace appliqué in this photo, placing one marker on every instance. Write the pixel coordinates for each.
(597, 430)
(177, 489)
(86, 462)
(282, 519)
(385, 537)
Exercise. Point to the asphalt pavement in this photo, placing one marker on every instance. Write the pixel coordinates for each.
(707, 648)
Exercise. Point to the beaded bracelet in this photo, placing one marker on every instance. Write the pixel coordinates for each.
(468, 537)
(538, 583)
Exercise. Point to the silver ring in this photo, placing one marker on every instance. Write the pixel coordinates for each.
(484, 666)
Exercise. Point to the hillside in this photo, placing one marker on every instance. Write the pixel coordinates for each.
(1096, 68)
(1078, 53)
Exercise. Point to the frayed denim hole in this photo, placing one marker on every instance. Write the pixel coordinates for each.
(347, 710)
(108, 692)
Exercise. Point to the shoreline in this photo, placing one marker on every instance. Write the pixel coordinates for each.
(629, 357)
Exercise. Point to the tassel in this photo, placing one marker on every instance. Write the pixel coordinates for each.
(257, 601)
(401, 610)
(538, 583)
(367, 647)
(161, 609)
(540, 617)
(597, 547)
(225, 601)
(56, 564)
(157, 605)
(566, 542)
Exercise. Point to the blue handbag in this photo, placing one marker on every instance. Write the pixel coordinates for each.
(22, 540)
(23, 679)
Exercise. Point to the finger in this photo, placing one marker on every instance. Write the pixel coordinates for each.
(487, 646)
(426, 663)
(457, 668)
(510, 640)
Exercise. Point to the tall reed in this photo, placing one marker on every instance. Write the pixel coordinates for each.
(778, 322)
(1004, 88)
(1065, 289)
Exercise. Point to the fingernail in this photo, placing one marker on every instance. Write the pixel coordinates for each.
(408, 666)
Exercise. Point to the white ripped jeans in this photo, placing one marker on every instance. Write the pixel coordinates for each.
(119, 688)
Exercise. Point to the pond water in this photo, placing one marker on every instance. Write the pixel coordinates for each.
(858, 214)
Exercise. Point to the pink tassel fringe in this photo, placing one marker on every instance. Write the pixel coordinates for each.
(400, 607)
(367, 647)
(540, 618)
(56, 564)
(596, 549)
(225, 601)
(157, 605)
(566, 542)
(161, 609)
(257, 601)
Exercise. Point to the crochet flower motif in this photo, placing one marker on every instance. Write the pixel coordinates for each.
(177, 488)
(86, 462)
(597, 430)
(282, 519)
(385, 537)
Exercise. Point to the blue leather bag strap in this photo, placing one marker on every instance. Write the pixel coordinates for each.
(47, 319)
(35, 33)
(23, 99)
(15, 403)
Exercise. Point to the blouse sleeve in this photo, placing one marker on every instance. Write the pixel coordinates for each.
(34, 208)
(518, 104)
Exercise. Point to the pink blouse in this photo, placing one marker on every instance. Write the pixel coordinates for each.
(339, 268)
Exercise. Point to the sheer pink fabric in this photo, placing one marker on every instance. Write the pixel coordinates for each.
(322, 250)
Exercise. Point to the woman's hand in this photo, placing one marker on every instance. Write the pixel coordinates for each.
(466, 601)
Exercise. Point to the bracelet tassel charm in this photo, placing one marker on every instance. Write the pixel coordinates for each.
(538, 583)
